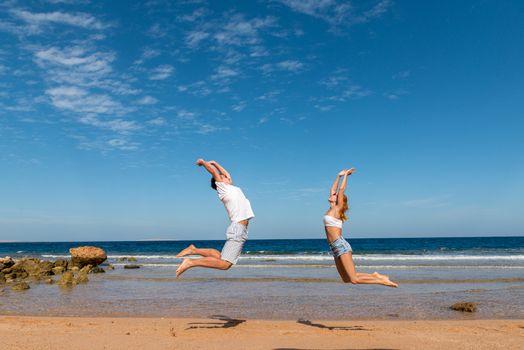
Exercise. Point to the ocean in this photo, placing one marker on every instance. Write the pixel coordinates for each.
(288, 279)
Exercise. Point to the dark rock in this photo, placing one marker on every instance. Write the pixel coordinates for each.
(6, 262)
(83, 256)
(131, 266)
(32, 267)
(86, 269)
(2, 277)
(82, 278)
(61, 263)
(464, 307)
(67, 279)
(58, 270)
(97, 269)
(20, 286)
(7, 270)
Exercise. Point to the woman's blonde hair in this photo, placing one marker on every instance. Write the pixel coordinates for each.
(342, 211)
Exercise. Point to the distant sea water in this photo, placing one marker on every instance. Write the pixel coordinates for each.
(289, 279)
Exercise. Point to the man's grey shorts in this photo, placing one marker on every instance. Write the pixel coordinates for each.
(236, 236)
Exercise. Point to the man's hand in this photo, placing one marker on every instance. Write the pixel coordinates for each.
(342, 173)
(350, 171)
(200, 162)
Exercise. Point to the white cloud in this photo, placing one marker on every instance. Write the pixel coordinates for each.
(116, 125)
(337, 13)
(157, 121)
(239, 31)
(206, 128)
(199, 88)
(183, 114)
(123, 144)
(224, 72)
(239, 107)
(37, 20)
(290, 65)
(195, 15)
(77, 100)
(147, 54)
(293, 66)
(402, 74)
(147, 100)
(263, 120)
(162, 72)
(394, 95)
(194, 38)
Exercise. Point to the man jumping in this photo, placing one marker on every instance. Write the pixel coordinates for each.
(239, 211)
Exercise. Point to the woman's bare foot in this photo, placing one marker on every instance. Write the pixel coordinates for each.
(188, 251)
(389, 283)
(186, 264)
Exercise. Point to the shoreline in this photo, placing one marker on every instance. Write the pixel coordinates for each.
(43, 332)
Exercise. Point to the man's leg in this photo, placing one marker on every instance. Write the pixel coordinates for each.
(209, 262)
(205, 252)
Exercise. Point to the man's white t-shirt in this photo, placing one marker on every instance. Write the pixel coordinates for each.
(237, 205)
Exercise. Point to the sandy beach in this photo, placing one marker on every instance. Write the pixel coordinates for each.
(58, 333)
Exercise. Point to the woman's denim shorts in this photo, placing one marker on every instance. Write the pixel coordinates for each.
(340, 246)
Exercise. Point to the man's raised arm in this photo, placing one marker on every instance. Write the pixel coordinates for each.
(212, 169)
(221, 169)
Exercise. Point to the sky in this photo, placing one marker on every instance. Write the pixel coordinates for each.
(106, 105)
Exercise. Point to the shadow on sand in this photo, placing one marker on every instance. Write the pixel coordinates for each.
(228, 323)
(334, 349)
(332, 328)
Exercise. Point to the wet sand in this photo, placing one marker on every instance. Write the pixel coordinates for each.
(17, 332)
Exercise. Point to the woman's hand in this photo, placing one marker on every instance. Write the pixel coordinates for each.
(350, 171)
(342, 172)
(200, 162)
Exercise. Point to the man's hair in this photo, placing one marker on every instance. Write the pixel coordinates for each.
(213, 183)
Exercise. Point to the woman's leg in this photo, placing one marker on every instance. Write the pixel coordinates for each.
(205, 252)
(346, 269)
(209, 262)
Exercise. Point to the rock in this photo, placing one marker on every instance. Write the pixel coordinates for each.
(67, 279)
(131, 259)
(49, 281)
(86, 269)
(20, 286)
(2, 277)
(123, 258)
(61, 263)
(131, 266)
(110, 267)
(6, 271)
(97, 269)
(82, 278)
(464, 307)
(58, 270)
(87, 256)
(32, 267)
(6, 262)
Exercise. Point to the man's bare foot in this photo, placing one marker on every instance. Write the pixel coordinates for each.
(188, 251)
(186, 264)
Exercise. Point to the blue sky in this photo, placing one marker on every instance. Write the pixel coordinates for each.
(105, 106)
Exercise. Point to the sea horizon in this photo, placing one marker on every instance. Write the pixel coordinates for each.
(261, 239)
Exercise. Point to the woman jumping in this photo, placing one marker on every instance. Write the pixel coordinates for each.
(342, 252)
